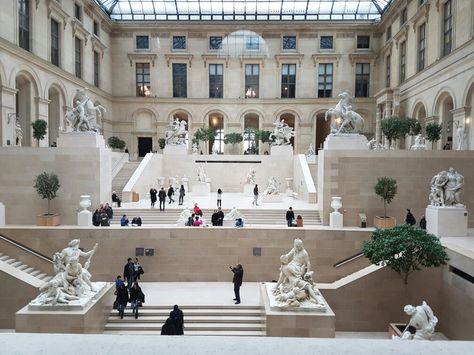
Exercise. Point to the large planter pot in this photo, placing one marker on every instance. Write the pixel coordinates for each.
(48, 220)
(384, 222)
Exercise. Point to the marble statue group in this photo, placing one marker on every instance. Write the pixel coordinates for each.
(250, 178)
(272, 188)
(295, 286)
(282, 133)
(72, 280)
(421, 325)
(176, 132)
(84, 114)
(446, 188)
(343, 118)
(201, 174)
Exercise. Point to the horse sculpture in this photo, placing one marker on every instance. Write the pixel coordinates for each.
(83, 117)
(351, 122)
(282, 133)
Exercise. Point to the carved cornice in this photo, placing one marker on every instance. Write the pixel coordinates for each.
(97, 45)
(77, 27)
(250, 58)
(9, 90)
(421, 15)
(464, 111)
(142, 57)
(401, 35)
(387, 48)
(358, 57)
(179, 56)
(55, 9)
(216, 57)
(326, 57)
(288, 57)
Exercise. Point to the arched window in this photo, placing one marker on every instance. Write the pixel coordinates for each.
(216, 122)
(251, 124)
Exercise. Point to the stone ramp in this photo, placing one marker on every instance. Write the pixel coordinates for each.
(121, 179)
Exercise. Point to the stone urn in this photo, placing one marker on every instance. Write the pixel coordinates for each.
(336, 203)
(161, 181)
(85, 202)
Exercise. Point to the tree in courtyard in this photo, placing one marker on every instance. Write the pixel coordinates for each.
(433, 132)
(39, 129)
(46, 186)
(116, 143)
(394, 128)
(405, 249)
(205, 134)
(386, 189)
(233, 138)
(263, 136)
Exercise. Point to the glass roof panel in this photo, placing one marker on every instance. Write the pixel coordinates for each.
(250, 10)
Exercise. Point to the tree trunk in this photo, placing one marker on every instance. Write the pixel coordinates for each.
(384, 209)
(48, 206)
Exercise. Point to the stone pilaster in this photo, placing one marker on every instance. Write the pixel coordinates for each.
(8, 115)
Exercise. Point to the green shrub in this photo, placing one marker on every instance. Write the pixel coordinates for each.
(116, 143)
(46, 186)
(386, 189)
(39, 129)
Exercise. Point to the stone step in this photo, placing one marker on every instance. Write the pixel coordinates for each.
(40, 276)
(192, 319)
(4, 258)
(10, 261)
(16, 264)
(28, 270)
(22, 267)
(191, 332)
(35, 273)
(132, 325)
(47, 278)
(207, 308)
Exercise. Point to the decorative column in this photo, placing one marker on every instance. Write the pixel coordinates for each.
(8, 116)
(378, 125)
(461, 126)
(42, 113)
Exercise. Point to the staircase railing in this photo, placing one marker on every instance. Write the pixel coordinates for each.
(349, 259)
(27, 249)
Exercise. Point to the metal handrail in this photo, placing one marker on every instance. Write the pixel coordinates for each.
(27, 249)
(349, 259)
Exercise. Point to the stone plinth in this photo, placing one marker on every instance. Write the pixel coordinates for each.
(298, 323)
(175, 150)
(2, 214)
(91, 319)
(282, 150)
(346, 142)
(84, 218)
(248, 189)
(201, 189)
(271, 198)
(336, 220)
(446, 221)
(80, 140)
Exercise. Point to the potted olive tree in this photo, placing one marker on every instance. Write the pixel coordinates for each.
(46, 186)
(116, 143)
(39, 130)
(386, 189)
(205, 134)
(405, 249)
(233, 138)
(263, 136)
(433, 132)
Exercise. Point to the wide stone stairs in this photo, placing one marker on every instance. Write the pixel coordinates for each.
(251, 216)
(121, 179)
(198, 320)
(11, 265)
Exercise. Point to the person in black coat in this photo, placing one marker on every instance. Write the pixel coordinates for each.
(96, 218)
(129, 273)
(238, 271)
(162, 198)
(121, 299)
(410, 218)
(220, 217)
(182, 193)
(153, 193)
(168, 328)
(178, 318)
(423, 222)
(116, 199)
(171, 193)
(136, 298)
(214, 218)
(290, 216)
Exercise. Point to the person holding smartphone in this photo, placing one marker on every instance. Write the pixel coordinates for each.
(238, 271)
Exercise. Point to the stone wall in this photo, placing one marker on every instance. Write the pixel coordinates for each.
(80, 172)
(353, 174)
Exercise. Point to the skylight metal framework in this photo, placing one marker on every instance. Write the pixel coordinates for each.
(243, 10)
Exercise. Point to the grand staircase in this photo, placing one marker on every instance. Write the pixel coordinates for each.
(198, 320)
(121, 179)
(13, 266)
(252, 216)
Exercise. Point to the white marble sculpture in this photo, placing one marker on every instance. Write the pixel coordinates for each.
(250, 178)
(461, 136)
(295, 286)
(446, 188)
(18, 133)
(184, 216)
(422, 322)
(71, 285)
(271, 187)
(419, 143)
(282, 133)
(233, 215)
(201, 174)
(310, 151)
(176, 131)
(374, 145)
(343, 116)
(83, 117)
(195, 148)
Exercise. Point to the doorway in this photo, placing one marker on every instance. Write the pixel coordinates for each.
(145, 145)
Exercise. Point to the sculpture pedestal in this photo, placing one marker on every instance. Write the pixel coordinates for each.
(271, 198)
(80, 139)
(201, 189)
(84, 218)
(2, 214)
(248, 190)
(348, 141)
(336, 220)
(91, 319)
(175, 150)
(446, 221)
(297, 321)
(281, 150)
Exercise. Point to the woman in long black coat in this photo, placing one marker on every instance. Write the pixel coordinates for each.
(122, 299)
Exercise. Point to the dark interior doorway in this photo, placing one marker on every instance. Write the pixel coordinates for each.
(145, 145)
(323, 128)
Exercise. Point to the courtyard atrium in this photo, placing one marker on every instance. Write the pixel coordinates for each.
(294, 175)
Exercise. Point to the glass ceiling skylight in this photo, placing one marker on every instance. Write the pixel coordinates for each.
(244, 10)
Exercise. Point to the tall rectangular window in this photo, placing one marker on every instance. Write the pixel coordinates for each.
(252, 72)
(388, 34)
(421, 46)
(325, 80)
(78, 57)
(54, 42)
(447, 27)
(363, 42)
(403, 16)
(77, 12)
(403, 61)
(142, 74)
(215, 42)
(362, 80)
(24, 24)
(180, 80)
(96, 69)
(326, 42)
(216, 80)
(387, 70)
(96, 28)
(288, 81)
